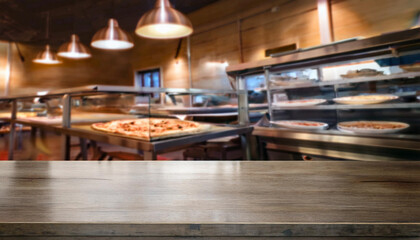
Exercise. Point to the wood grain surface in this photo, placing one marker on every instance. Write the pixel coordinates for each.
(210, 199)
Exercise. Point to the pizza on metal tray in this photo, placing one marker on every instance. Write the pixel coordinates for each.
(151, 128)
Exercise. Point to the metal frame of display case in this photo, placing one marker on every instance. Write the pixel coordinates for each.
(150, 149)
(320, 143)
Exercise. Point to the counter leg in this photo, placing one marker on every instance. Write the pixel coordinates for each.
(149, 155)
(83, 148)
(96, 151)
(19, 138)
(66, 123)
(12, 141)
(33, 143)
(12, 130)
(262, 151)
(65, 147)
(246, 150)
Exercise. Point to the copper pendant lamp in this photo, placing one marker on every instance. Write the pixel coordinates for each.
(74, 49)
(112, 37)
(164, 22)
(46, 56)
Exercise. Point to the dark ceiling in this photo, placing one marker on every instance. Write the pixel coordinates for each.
(25, 20)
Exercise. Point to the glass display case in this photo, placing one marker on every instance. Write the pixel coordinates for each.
(356, 100)
(150, 120)
(368, 97)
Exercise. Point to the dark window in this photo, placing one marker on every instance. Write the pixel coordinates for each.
(149, 78)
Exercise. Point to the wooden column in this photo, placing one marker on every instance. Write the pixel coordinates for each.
(12, 130)
(324, 17)
(65, 144)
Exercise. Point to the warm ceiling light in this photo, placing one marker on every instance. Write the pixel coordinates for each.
(74, 49)
(112, 37)
(46, 57)
(164, 22)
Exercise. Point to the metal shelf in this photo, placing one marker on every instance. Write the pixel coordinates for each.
(350, 107)
(104, 89)
(352, 80)
(399, 141)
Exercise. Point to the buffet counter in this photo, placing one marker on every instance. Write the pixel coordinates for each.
(121, 200)
(149, 128)
(357, 99)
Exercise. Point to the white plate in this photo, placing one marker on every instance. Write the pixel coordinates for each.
(372, 130)
(362, 100)
(288, 124)
(299, 103)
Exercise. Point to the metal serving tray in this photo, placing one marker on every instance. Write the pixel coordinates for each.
(150, 148)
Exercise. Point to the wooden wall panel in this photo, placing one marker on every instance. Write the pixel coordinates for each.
(294, 22)
(3, 66)
(109, 68)
(264, 24)
(231, 10)
(210, 50)
(352, 18)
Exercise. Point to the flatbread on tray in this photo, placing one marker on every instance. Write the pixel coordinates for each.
(152, 128)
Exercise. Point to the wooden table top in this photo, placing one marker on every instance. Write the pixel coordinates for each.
(194, 197)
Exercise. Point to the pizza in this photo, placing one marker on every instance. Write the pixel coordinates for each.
(6, 129)
(26, 114)
(299, 103)
(372, 126)
(18, 114)
(306, 124)
(151, 128)
(366, 99)
(301, 124)
(362, 73)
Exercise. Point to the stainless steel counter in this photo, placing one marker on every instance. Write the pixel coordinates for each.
(336, 144)
(122, 200)
(339, 145)
(150, 148)
(158, 146)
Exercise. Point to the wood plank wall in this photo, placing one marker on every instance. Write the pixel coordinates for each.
(3, 65)
(226, 31)
(367, 18)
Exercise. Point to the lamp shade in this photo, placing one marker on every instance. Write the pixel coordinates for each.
(164, 22)
(112, 37)
(46, 57)
(74, 49)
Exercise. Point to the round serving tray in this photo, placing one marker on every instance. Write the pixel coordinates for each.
(292, 124)
(197, 110)
(365, 99)
(401, 126)
(299, 103)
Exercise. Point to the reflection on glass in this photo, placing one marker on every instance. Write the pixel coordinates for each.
(147, 80)
(156, 79)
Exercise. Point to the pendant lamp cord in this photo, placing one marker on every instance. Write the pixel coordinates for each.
(47, 32)
(74, 16)
(112, 12)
